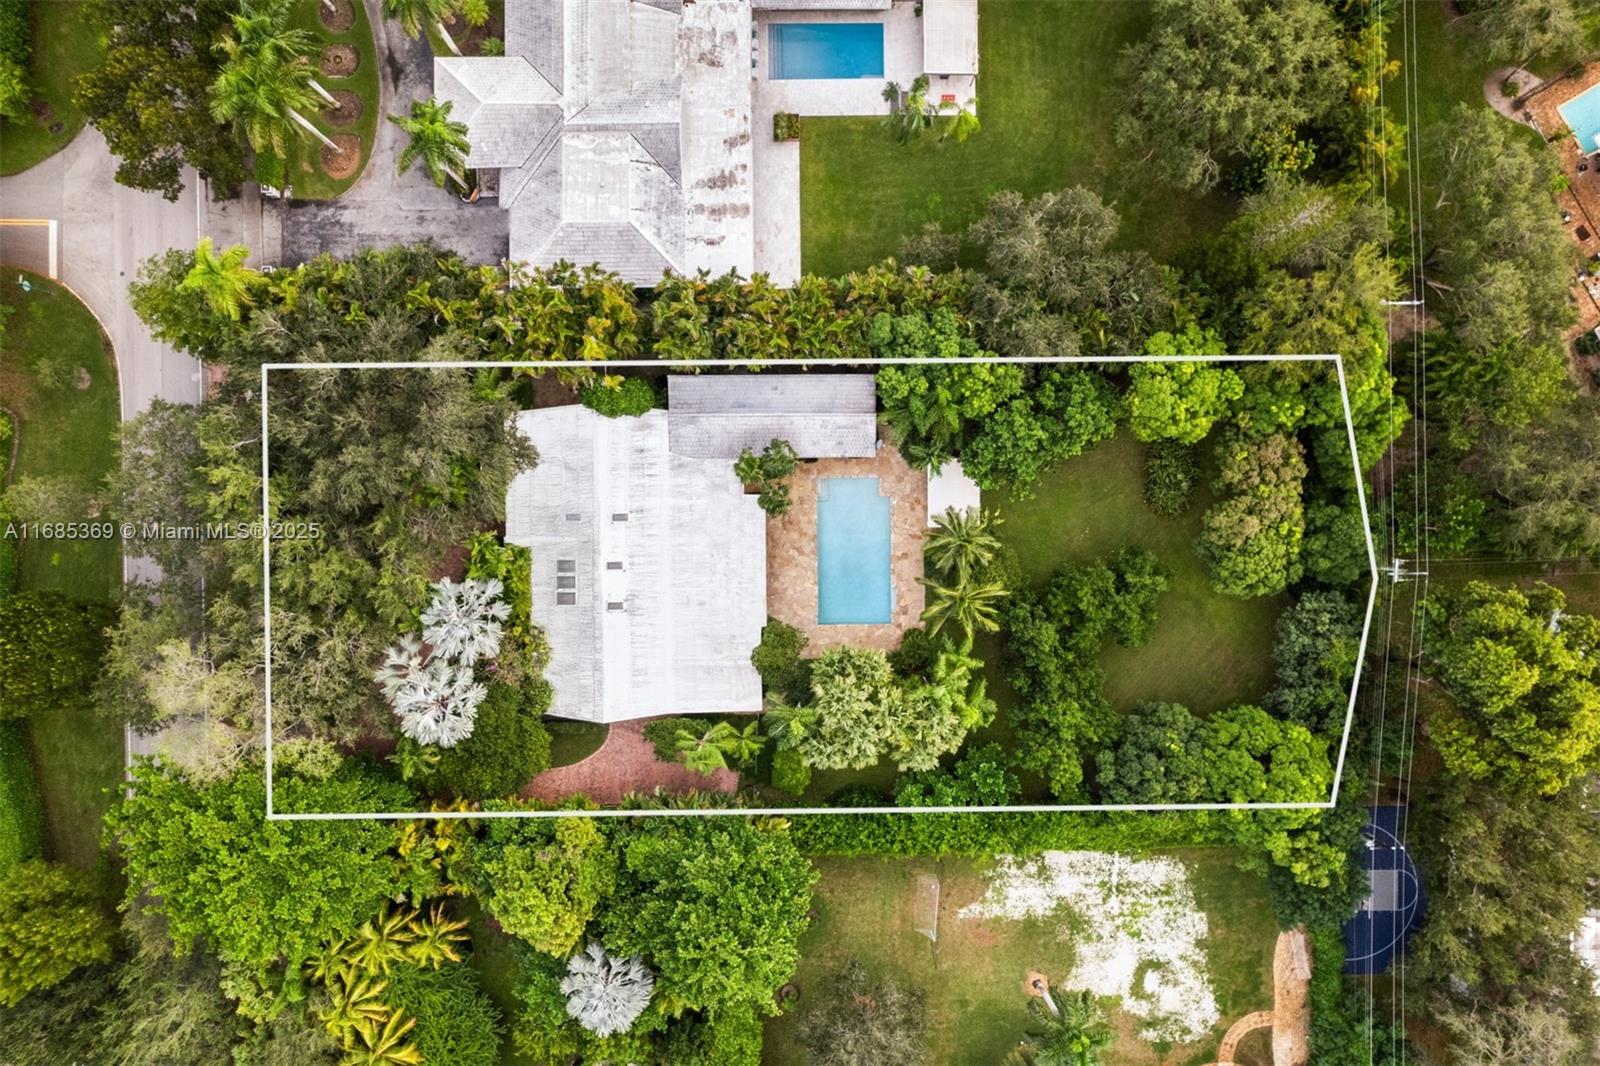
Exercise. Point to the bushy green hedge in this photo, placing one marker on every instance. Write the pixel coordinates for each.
(630, 396)
(16, 35)
(50, 648)
(663, 734)
(21, 816)
(8, 546)
(456, 1022)
(1019, 833)
(789, 772)
(508, 745)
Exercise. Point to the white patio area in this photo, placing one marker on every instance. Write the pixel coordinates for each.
(944, 35)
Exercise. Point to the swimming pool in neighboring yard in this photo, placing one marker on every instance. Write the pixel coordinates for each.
(825, 50)
(853, 584)
(1582, 116)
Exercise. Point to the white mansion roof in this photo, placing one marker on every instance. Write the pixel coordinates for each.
(822, 416)
(622, 130)
(649, 568)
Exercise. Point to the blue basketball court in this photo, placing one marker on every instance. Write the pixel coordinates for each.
(1394, 905)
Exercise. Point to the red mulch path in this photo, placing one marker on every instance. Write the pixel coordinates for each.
(625, 763)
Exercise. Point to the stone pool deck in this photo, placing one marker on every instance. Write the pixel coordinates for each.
(792, 551)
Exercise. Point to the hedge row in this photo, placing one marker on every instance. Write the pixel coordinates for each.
(1018, 833)
(21, 815)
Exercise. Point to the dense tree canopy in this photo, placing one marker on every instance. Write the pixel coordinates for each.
(1521, 702)
(1250, 539)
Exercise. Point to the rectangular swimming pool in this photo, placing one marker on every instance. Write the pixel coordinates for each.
(825, 50)
(1582, 116)
(853, 585)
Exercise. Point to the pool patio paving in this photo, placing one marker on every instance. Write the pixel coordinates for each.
(792, 550)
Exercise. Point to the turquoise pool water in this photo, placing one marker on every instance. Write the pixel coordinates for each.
(1582, 114)
(852, 552)
(825, 50)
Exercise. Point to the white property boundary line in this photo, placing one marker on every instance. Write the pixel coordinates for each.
(796, 364)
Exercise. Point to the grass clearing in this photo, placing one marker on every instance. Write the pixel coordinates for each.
(1047, 98)
(66, 43)
(305, 172)
(1209, 651)
(493, 958)
(973, 974)
(67, 431)
(572, 742)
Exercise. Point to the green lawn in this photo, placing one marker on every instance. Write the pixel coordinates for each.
(572, 742)
(66, 43)
(497, 968)
(305, 169)
(65, 431)
(1209, 651)
(1047, 98)
(973, 975)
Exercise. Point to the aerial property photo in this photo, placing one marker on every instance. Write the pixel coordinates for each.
(799, 532)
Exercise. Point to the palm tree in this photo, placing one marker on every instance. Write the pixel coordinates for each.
(353, 1000)
(223, 281)
(440, 143)
(435, 938)
(787, 726)
(382, 941)
(971, 604)
(913, 116)
(605, 993)
(372, 1045)
(266, 81)
(703, 752)
(963, 123)
(962, 542)
(413, 14)
(1070, 1033)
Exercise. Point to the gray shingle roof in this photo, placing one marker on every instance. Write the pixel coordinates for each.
(822, 416)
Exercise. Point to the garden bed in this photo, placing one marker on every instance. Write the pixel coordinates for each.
(347, 67)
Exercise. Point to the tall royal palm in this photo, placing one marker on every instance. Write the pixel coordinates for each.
(436, 140)
(221, 279)
(267, 80)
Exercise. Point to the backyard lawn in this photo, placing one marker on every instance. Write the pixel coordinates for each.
(1209, 651)
(1047, 98)
(306, 174)
(66, 43)
(67, 429)
(866, 909)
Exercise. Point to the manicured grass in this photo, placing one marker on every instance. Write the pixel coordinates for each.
(67, 431)
(1209, 651)
(1047, 98)
(572, 742)
(973, 975)
(66, 43)
(305, 169)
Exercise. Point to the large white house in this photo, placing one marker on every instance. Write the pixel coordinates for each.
(638, 134)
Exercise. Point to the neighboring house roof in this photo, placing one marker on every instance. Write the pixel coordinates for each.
(821, 5)
(649, 569)
(950, 36)
(625, 121)
(820, 415)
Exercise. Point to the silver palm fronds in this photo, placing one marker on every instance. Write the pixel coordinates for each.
(400, 662)
(606, 994)
(438, 704)
(463, 620)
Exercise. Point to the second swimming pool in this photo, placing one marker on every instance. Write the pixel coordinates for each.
(825, 50)
(853, 585)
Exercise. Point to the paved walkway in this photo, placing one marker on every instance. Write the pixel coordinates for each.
(625, 763)
(385, 207)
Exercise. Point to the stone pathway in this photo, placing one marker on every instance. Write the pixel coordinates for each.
(625, 763)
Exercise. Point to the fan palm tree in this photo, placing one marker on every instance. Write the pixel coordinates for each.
(962, 542)
(414, 14)
(440, 143)
(971, 604)
(221, 280)
(606, 993)
(266, 81)
(1070, 1033)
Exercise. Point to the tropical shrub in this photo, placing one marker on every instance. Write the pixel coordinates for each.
(663, 733)
(981, 777)
(768, 471)
(1068, 410)
(616, 396)
(544, 879)
(777, 659)
(789, 772)
(1250, 539)
(785, 126)
(456, 1022)
(50, 649)
(1315, 652)
(508, 746)
(51, 922)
